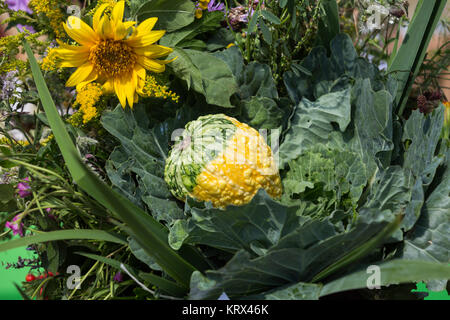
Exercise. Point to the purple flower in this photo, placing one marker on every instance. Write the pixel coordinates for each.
(8, 84)
(16, 227)
(24, 188)
(118, 277)
(252, 8)
(17, 5)
(238, 17)
(29, 28)
(51, 216)
(212, 6)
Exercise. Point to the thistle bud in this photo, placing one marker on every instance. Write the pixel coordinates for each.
(435, 95)
(422, 102)
(396, 12)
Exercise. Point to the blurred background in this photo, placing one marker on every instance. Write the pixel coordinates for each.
(10, 276)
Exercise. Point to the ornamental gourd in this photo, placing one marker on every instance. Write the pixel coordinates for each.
(221, 160)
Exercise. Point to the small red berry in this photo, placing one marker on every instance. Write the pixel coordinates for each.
(40, 291)
(50, 274)
(41, 277)
(30, 277)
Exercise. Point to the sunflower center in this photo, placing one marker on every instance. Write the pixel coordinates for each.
(112, 58)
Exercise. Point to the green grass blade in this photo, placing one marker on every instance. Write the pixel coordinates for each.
(410, 56)
(151, 235)
(391, 272)
(167, 286)
(396, 41)
(62, 235)
(21, 292)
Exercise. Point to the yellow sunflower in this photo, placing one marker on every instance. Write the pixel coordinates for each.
(113, 53)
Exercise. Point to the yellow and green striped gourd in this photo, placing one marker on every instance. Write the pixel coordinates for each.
(221, 160)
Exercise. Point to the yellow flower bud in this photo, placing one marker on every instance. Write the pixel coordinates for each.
(198, 13)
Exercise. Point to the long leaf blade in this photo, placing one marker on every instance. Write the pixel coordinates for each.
(21, 292)
(410, 56)
(361, 251)
(391, 272)
(62, 235)
(164, 284)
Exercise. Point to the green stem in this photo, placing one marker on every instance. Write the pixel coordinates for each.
(29, 165)
(84, 278)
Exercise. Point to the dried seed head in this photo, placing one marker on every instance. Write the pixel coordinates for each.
(396, 12)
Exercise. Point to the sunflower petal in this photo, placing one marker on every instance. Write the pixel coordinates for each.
(79, 31)
(66, 49)
(82, 73)
(92, 77)
(145, 40)
(140, 71)
(140, 86)
(72, 56)
(153, 51)
(71, 47)
(72, 62)
(108, 86)
(146, 25)
(97, 15)
(129, 24)
(117, 13)
(121, 31)
(130, 88)
(65, 54)
(120, 92)
(135, 79)
(152, 65)
(105, 28)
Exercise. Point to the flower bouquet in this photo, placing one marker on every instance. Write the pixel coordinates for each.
(291, 149)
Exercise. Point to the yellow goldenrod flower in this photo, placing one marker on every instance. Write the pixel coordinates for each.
(89, 113)
(108, 9)
(203, 4)
(4, 140)
(7, 141)
(50, 62)
(76, 119)
(198, 13)
(86, 99)
(9, 46)
(14, 64)
(50, 8)
(114, 53)
(46, 140)
(155, 90)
